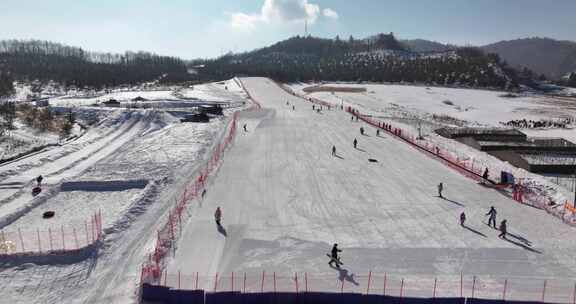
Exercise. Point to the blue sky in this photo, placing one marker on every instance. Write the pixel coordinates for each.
(194, 28)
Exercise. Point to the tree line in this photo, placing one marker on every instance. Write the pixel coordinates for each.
(380, 59)
(73, 67)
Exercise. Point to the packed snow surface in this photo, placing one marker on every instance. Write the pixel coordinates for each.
(286, 200)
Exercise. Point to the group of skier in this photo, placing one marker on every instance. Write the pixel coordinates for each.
(492, 213)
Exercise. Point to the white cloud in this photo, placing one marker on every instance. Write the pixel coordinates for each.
(243, 21)
(279, 12)
(330, 13)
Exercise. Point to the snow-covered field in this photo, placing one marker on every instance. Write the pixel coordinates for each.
(285, 201)
(130, 166)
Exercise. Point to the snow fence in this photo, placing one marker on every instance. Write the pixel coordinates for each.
(382, 286)
(166, 236)
(57, 240)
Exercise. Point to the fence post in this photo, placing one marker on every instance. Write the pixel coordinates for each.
(274, 281)
(434, 292)
(216, 283)
(165, 277)
(296, 281)
(21, 240)
(50, 238)
(384, 289)
(543, 291)
(75, 238)
(342, 286)
(232, 282)
(262, 286)
(401, 288)
(574, 297)
(244, 287)
(461, 283)
(473, 286)
(39, 242)
(369, 279)
(306, 281)
(504, 291)
(178, 278)
(63, 241)
(86, 230)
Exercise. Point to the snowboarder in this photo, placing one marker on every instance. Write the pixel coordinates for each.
(492, 218)
(503, 229)
(462, 218)
(333, 150)
(218, 216)
(440, 188)
(244, 126)
(334, 256)
(39, 180)
(355, 143)
(361, 131)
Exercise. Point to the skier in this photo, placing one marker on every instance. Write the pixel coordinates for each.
(218, 216)
(503, 229)
(312, 107)
(39, 180)
(361, 131)
(355, 143)
(333, 150)
(244, 126)
(334, 256)
(492, 219)
(351, 118)
(462, 218)
(485, 175)
(440, 188)
(293, 108)
(377, 133)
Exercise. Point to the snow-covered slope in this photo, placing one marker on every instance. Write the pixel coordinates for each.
(286, 200)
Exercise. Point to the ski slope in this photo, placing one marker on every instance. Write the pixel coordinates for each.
(286, 200)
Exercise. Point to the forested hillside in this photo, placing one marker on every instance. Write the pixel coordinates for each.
(71, 66)
(379, 58)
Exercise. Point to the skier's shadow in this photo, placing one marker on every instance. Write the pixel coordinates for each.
(520, 238)
(338, 156)
(453, 202)
(222, 230)
(343, 275)
(361, 150)
(474, 230)
(522, 245)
